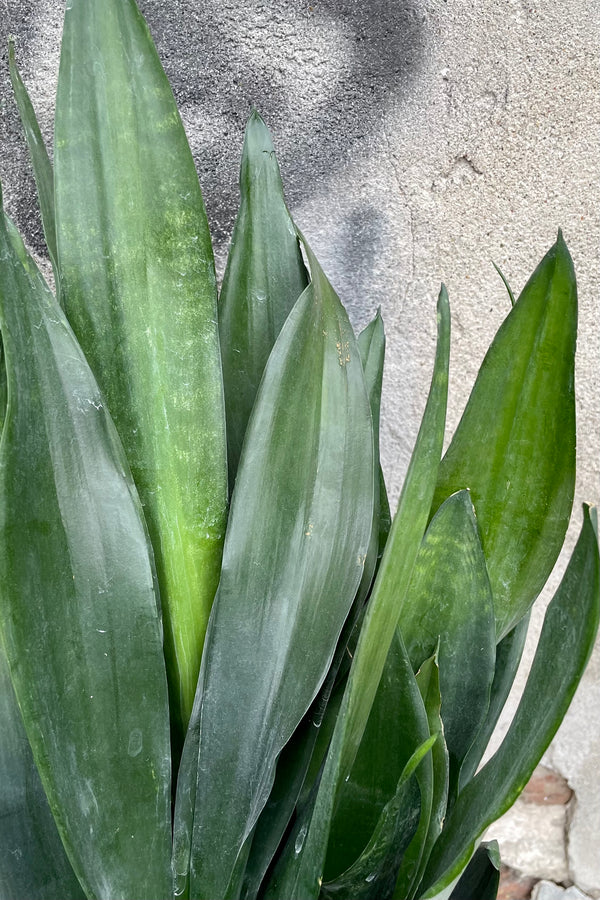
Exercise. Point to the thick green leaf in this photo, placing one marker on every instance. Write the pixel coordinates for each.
(515, 445)
(481, 878)
(42, 167)
(508, 657)
(295, 550)
(79, 609)
(373, 874)
(396, 727)
(138, 285)
(264, 277)
(428, 680)
(33, 863)
(299, 874)
(565, 644)
(449, 602)
(298, 756)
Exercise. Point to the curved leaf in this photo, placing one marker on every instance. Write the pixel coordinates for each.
(564, 647)
(138, 285)
(79, 608)
(298, 875)
(449, 604)
(297, 538)
(481, 878)
(373, 874)
(508, 656)
(264, 277)
(514, 448)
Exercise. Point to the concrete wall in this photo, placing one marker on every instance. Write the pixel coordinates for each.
(419, 141)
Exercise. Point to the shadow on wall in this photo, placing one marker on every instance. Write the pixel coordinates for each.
(321, 72)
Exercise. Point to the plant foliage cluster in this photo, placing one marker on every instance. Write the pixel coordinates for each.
(226, 671)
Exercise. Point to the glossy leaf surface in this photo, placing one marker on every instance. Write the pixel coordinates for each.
(565, 643)
(138, 285)
(428, 680)
(298, 876)
(396, 727)
(449, 606)
(508, 656)
(303, 753)
(264, 277)
(481, 878)
(79, 608)
(372, 875)
(297, 539)
(514, 447)
(33, 863)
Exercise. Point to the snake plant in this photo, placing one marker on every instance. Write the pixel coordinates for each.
(225, 670)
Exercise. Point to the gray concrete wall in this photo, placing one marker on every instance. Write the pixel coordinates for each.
(419, 141)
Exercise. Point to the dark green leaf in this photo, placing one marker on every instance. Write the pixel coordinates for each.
(564, 647)
(515, 445)
(299, 875)
(428, 680)
(42, 167)
(449, 601)
(396, 727)
(372, 876)
(508, 657)
(33, 863)
(297, 538)
(138, 285)
(264, 277)
(481, 878)
(79, 612)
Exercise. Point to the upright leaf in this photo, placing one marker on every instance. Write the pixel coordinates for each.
(297, 538)
(514, 448)
(396, 727)
(33, 863)
(138, 285)
(42, 167)
(564, 647)
(508, 656)
(449, 604)
(264, 277)
(299, 874)
(428, 680)
(79, 608)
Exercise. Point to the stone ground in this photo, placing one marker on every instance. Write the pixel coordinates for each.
(419, 141)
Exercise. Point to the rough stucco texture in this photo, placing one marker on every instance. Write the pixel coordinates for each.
(419, 141)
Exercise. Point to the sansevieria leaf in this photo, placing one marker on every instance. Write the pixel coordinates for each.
(297, 539)
(33, 863)
(138, 286)
(299, 874)
(78, 603)
(514, 448)
(566, 641)
(449, 606)
(264, 277)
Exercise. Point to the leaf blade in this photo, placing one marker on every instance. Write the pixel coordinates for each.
(566, 641)
(299, 877)
(514, 447)
(138, 285)
(308, 459)
(263, 278)
(72, 537)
